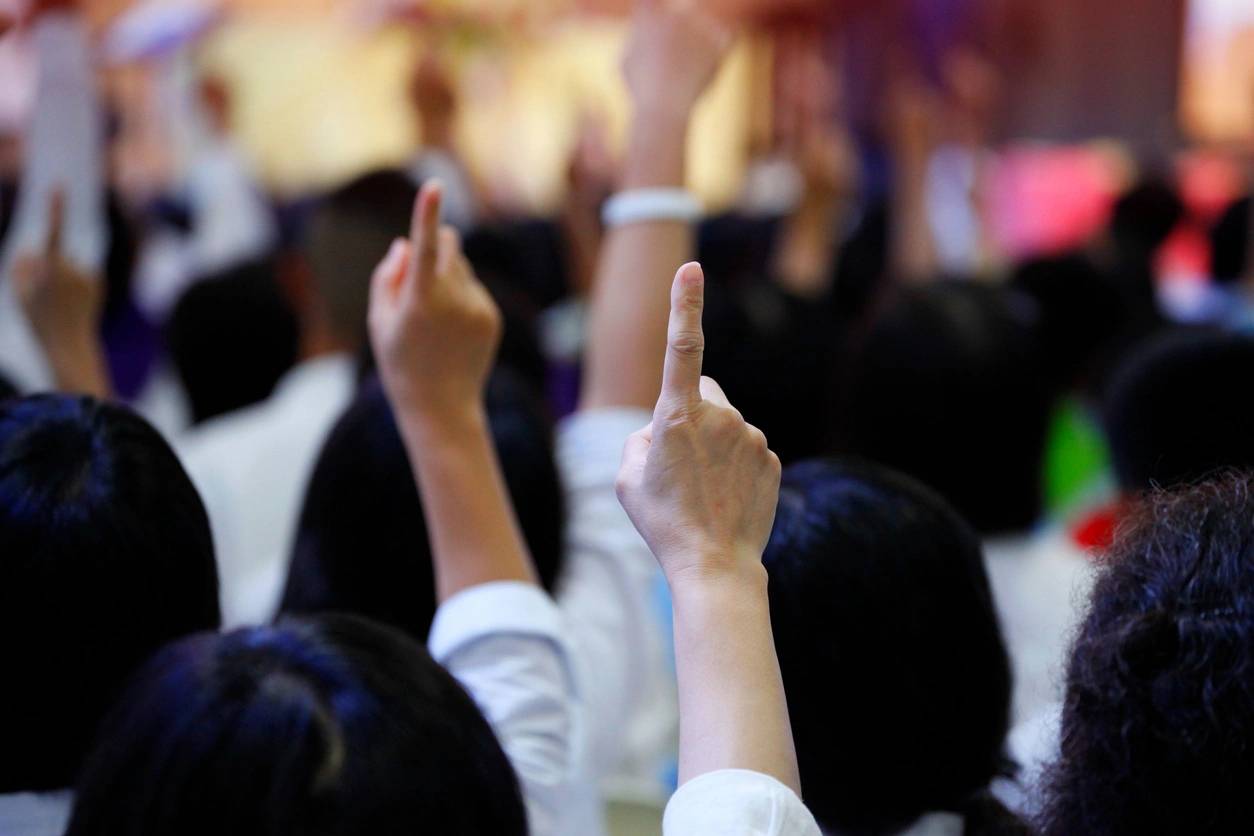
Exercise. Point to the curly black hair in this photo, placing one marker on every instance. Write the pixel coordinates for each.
(1158, 723)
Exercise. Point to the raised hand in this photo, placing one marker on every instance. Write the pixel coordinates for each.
(63, 304)
(672, 55)
(434, 327)
(699, 483)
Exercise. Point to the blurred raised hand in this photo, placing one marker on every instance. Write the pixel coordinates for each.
(63, 304)
(699, 483)
(434, 327)
(674, 51)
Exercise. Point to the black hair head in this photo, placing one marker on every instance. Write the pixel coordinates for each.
(231, 336)
(105, 555)
(361, 543)
(1180, 407)
(1159, 708)
(949, 387)
(1230, 243)
(897, 678)
(335, 726)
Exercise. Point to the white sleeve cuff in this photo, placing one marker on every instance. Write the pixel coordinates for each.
(737, 802)
(493, 609)
(590, 444)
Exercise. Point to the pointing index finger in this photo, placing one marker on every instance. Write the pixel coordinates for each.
(685, 341)
(424, 232)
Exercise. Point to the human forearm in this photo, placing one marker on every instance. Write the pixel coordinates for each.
(475, 538)
(79, 368)
(627, 327)
(733, 714)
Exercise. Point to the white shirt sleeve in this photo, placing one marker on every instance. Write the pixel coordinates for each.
(613, 598)
(737, 802)
(63, 150)
(504, 643)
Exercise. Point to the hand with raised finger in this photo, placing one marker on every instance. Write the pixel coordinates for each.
(433, 326)
(63, 304)
(699, 483)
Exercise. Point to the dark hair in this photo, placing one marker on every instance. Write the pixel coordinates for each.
(333, 726)
(349, 232)
(948, 387)
(1144, 216)
(1181, 408)
(361, 543)
(1159, 709)
(1230, 242)
(897, 678)
(105, 555)
(7, 389)
(232, 336)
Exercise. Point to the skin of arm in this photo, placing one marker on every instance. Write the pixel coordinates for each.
(671, 58)
(435, 331)
(701, 486)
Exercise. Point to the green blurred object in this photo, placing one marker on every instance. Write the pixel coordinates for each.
(1077, 461)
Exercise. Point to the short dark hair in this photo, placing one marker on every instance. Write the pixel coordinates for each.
(232, 336)
(350, 231)
(1159, 711)
(105, 555)
(949, 387)
(1230, 242)
(897, 677)
(334, 725)
(1180, 408)
(361, 543)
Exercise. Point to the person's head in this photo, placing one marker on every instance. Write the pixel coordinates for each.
(1181, 407)
(1143, 217)
(948, 387)
(1230, 243)
(105, 555)
(1159, 708)
(897, 678)
(1082, 316)
(7, 389)
(231, 337)
(335, 726)
(348, 233)
(361, 543)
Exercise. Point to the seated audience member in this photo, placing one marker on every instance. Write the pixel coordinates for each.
(334, 726)
(1233, 266)
(701, 486)
(1158, 711)
(1178, 410)
(251, 466)
(105, 555)
(232, 337)
(949, 387)
(897, 678)
(361, 545)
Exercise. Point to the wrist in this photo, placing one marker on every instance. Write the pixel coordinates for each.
(735, 571)
(442, 421)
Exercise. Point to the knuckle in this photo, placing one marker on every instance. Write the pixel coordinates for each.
(687, 343)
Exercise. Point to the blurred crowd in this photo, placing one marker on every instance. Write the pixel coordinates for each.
(390, 507)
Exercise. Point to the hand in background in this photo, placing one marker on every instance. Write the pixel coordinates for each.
(699, 483)
(434, 327)
(63, 304)
(672, 55)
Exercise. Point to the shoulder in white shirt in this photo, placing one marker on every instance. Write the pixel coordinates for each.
(737, 802)
(35, 814)
(251, 468)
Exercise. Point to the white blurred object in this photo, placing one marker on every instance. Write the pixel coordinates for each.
(158, 27)
(773, 186)
(17, 92)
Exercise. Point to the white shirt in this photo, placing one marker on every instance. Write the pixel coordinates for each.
(251, 468)
(35, 814)
(737, 802)
(62, 151)
(505, 643)
(614, 599)
(1040, 586)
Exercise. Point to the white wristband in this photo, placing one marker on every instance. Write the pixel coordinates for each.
(644, 205)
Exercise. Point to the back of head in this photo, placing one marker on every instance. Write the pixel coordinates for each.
(1159, 711)
(361, 544)
(898, 681)
(1180, 408)
(105, 555)
(348, 234)
(1143, 217)
(232, 336)
(948, 387)
(1230, 242)
(334, 726)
